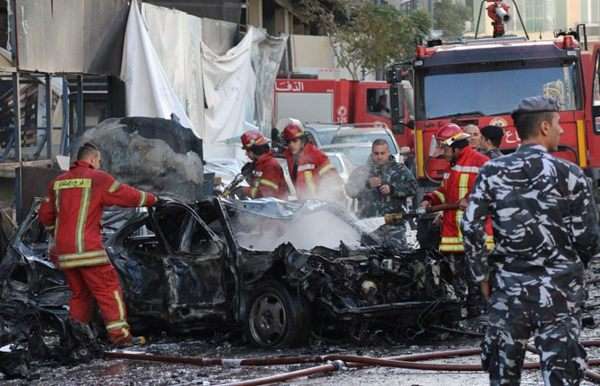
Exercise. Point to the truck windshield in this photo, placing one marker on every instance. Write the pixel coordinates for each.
(493, 91)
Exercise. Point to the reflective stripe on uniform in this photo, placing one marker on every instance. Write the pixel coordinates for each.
(142, 199)
(463, 190)
(83, 263)
(310, 183)
(73, 183)
(463, 185)
(114, 186)
(120, 323)
(325, 169)
(489, 242)
(459, 215)
(84, 255)
(82, 219)
(452, 248)
(120, 305)
(56, 209)
(269, 183)
(440, 196)
(253, 191)
(86, 259)
(117, 324)
(466, 169)
(451, 240)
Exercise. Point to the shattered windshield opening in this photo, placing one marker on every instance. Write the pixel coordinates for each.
(490, 90)
(306, 226)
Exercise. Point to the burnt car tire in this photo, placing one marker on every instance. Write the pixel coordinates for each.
(276, 318)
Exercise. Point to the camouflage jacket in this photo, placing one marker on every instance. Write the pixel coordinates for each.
(371, 202)
(544, 218)
(493, 153)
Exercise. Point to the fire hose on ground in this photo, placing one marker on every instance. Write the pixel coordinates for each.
(337, 362)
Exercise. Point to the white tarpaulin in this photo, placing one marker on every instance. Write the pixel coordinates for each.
(229, 85)
(176, 37)
(220, 90)
(267, 54)
(148, 91)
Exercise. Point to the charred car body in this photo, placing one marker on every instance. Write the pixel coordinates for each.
(253, 264)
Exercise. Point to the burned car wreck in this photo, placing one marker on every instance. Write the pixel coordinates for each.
(264, 266)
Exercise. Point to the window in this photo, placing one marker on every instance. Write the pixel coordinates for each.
(590, 11)
(536, 16)
(597, 80)
(596, 94)
(473, 90)
(378, 101)
(195, 239)
(35, 235)
(184, 233)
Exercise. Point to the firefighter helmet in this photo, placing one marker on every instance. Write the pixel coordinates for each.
(449, 134)
(293, 129)
(253, 137)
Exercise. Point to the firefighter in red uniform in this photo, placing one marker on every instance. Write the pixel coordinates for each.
(313, 175)
(73, 210)
(265, 174)
(458, 182)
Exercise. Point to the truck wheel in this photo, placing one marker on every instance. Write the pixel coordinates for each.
(276, 318)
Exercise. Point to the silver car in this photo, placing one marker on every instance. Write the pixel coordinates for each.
(368, 135)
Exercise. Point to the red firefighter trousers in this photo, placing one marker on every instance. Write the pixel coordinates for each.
(102, 284)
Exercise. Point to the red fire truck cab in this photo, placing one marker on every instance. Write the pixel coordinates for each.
(340, 101)
(482, 81)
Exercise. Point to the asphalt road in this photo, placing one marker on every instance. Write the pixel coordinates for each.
(127, 372)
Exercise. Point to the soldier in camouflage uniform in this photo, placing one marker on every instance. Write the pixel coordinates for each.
(382, 187)
(545, 229)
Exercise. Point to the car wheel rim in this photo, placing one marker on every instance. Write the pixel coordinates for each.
(268, 319)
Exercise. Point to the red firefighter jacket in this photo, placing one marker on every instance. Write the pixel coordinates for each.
(267, 178)
(308, 169)
(456, 185)
(73, 210)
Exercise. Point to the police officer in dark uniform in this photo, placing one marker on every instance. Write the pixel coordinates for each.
(545, 229)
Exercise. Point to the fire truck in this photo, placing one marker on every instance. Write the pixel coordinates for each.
(480, 81)
(343, 101)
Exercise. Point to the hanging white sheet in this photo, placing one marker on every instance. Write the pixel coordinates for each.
(147, 88)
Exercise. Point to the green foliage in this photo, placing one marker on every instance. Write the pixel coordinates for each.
(368, 36)
(450, 18)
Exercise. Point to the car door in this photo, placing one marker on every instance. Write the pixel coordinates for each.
(194, 265)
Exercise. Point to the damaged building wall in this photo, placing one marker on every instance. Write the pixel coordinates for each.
(227, 10)
(78, 36)
(155, 155)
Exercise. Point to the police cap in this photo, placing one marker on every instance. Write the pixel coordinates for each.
(537, 104)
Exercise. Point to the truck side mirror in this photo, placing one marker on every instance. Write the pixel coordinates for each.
(396, 109)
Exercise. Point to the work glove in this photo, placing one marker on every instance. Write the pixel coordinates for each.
(247, 169)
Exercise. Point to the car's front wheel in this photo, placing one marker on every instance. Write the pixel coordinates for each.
(276, 318)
